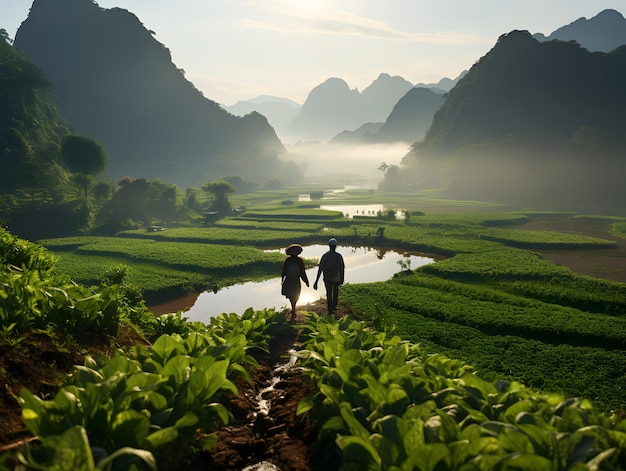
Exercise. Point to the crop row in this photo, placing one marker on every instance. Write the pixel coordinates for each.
(219, 235)
(252, 224)
(200, 257)
(619, 229)
(34, 295)
(591, 372)
(197, 255)
(155, 280)
(525, 273)
(496, 263)
(295, 214)
(383, 404)
(493, 311)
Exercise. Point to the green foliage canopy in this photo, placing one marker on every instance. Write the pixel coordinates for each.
(83, 154)
(31, 127)
(220, 191)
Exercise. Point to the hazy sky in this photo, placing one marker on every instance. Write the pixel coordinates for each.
(237, 49)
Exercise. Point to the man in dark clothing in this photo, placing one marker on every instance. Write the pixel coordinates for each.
(333, 268)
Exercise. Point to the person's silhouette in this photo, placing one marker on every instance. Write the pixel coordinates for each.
(291, 273)
(333, 268)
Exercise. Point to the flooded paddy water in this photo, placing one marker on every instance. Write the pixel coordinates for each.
(363, 265)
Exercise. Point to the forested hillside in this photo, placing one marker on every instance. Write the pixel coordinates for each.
(31, 127)
(117, 83)
(53, 182)
(34, 180)
(531, 122)
(49, 177)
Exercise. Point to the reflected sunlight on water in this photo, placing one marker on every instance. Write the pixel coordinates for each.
(351, 210)
(363, 265)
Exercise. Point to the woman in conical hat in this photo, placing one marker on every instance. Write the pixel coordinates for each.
(291, 274)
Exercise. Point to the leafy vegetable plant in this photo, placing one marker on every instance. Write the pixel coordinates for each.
(383, 404)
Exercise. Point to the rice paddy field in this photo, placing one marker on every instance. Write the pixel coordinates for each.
(539, 297)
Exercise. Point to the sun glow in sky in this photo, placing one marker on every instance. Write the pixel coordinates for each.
(238, 49)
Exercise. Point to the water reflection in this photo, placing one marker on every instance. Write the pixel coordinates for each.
(363, 265)
(351, 210)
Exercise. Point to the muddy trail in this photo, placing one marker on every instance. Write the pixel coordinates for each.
(266, 434)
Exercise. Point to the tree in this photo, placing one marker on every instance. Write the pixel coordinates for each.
(274, 184)
(393, 180)
(5, 35)
(131, 201)
(220, 191)
(139, 201)
(383, 167)
(241, 185)
(85, 157)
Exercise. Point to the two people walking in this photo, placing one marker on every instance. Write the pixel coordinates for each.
(331, 266)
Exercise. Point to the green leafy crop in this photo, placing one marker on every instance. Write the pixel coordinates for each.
(383, 404)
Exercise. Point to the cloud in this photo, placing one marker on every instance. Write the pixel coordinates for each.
(338, 22)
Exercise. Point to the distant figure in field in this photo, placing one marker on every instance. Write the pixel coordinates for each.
(333, 268)
(291, 273)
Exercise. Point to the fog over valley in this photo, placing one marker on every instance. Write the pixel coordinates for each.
(531, 104)
(349, 164)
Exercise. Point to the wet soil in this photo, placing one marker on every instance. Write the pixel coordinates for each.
(604, 263)
(266, 430)
(279, 439)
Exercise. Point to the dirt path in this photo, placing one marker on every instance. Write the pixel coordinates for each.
(275, 439)
(266, 434)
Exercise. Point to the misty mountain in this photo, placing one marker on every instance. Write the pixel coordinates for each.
(381, 95)
(534, 91)
(604, 32)
(117, 83)
(361, 135)
(444, 85)
(332, 106)
(408, 121)
(280, 112)
(532, 122)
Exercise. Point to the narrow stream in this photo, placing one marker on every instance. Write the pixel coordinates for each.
(264, 400)
(363, 265)
(264, 397)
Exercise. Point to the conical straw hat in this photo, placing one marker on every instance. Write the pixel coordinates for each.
(294, 249)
